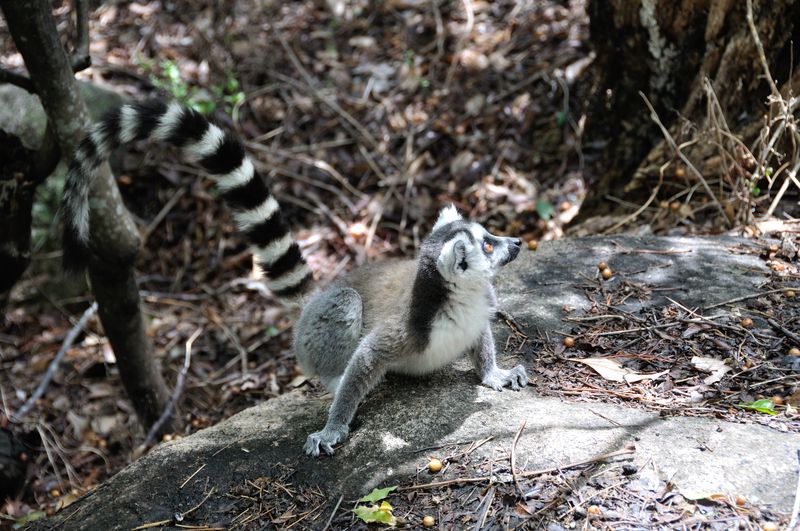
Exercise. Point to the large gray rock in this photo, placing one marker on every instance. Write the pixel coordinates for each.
(403, 415)
(22, 114)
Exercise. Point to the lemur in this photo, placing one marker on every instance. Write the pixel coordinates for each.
(412, 316)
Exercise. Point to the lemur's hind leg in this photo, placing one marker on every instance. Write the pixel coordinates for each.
(327, 334)
(365, 369)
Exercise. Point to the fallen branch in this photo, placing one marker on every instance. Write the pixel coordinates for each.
(791, 335)
(744, 298)
(333, 513)
(72, 335)
(187, 480)
(487, 502)
(530, 473)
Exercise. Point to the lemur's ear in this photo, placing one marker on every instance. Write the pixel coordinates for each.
(453, 258)
(460, 257)
(446, 215)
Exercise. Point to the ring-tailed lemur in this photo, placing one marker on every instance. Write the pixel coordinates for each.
(413, 316)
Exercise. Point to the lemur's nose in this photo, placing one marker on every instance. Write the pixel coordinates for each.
(516, 241)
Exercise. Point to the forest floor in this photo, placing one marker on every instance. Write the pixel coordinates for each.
(367, 123)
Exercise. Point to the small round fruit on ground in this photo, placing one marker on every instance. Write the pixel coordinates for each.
(434, 465)
(428, 521)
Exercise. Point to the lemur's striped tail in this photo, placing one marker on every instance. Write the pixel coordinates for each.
(255, 210)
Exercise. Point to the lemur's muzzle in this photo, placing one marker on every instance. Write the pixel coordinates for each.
(513, 249)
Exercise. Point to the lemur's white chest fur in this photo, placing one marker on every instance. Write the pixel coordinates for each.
(456, 327)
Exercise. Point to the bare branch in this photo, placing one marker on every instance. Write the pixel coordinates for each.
(760, 49)
(81, 59)
(176, 393)
(671, 142)
(6, 76)
(72, 335)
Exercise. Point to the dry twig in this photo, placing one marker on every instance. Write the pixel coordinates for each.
(180, 516)
(530, 473)
(333, 513)
(176, 393)
(677, 151)
(514, 458)
(791, 335)
(72, 335)
(485, 505)
(746, 297)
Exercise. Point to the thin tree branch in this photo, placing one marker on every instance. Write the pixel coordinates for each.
(176, 393)
(671, 142)
(47, 157)
(24, 82)
(72, 335)
(81, 59)
(760, 49)
(525, 474)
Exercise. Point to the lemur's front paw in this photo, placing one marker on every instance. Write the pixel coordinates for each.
(517, 378)
(325, 440)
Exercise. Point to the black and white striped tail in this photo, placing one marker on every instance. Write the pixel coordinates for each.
(255, 210)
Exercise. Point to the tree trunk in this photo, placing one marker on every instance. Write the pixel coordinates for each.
(33, 29)
(666, 49)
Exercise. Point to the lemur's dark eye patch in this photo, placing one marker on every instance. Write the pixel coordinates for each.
(487, 247)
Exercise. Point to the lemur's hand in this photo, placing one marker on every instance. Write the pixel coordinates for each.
(325, 439)
(498, 378)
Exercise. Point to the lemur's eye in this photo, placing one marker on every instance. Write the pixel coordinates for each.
(487, 247)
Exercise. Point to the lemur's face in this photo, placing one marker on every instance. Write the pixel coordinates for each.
(469, 252)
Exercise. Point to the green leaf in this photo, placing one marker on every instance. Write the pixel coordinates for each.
(28, 518)
(374, 513)
(768, 172)
(561, 118)
(764, 405)
(378, 494)
(544, 209)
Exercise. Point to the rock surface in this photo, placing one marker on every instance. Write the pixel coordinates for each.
(21, 113)
(402, 415)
